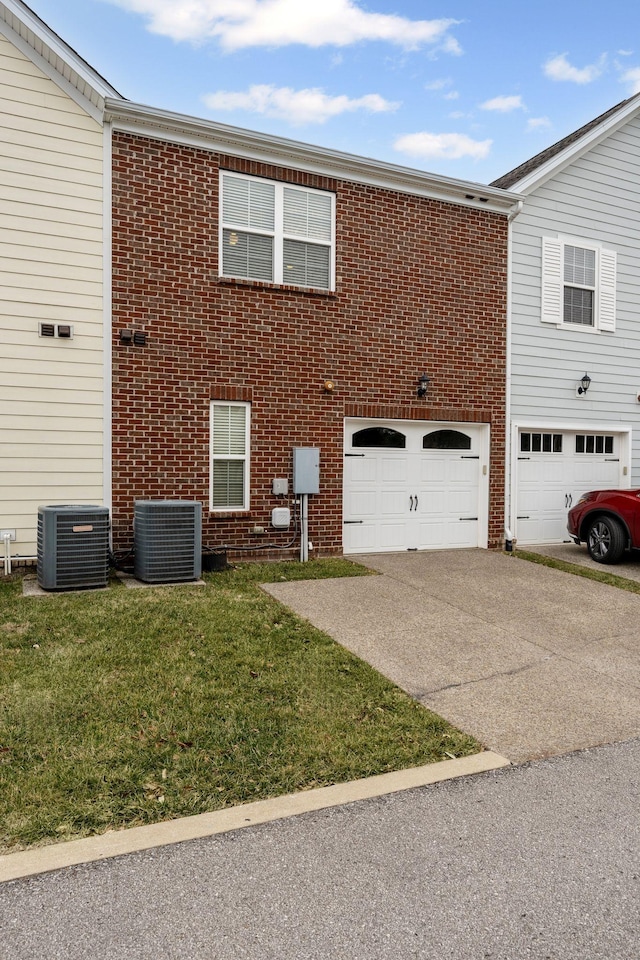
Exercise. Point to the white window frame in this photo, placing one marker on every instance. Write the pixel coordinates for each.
(553, 284)
(278, 234)
(244, 457)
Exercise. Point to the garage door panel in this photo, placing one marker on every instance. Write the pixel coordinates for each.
(411, 498)
(361, 503)
(360, 470)
(360, 538)
(549, 483)
(440, 534)
(392, 536)
(394, 471)
(392, 503)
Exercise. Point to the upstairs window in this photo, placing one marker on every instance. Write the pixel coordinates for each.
(276, 232)
(578, 284)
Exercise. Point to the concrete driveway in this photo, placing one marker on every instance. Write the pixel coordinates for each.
(532, 661)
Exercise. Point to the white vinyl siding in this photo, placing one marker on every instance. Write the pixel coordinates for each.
(578, 284)
(229, 456)
(276, 233)
(51, 261)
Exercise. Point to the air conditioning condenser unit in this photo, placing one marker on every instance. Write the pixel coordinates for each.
(73, 546)
(167, 537)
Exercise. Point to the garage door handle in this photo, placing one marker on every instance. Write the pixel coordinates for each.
(416, 504)
(410, 504)
(353, 521)
(467, 518)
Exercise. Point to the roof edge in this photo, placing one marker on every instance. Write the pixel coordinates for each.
(193, 131)
(58, 47)
(543, 165)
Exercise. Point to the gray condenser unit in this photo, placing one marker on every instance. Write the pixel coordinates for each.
(167, 538)
(73, 546)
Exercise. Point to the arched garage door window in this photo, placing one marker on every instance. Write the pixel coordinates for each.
(446, 440)
(379, 437)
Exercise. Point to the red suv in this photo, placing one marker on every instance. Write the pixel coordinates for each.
(608, 521)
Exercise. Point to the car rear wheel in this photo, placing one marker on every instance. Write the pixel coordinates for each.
(606, 540)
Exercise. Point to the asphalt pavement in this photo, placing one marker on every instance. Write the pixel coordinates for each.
(536, 861)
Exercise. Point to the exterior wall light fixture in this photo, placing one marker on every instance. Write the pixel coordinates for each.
(423, 385)
(585, 383)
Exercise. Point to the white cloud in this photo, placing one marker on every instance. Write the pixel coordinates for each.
(298, 106)
(503, 104)
(559, 68)
(450, 146)
(275, 23)
(454, 95)
(437, 84)
(537, 123)
(632, 79)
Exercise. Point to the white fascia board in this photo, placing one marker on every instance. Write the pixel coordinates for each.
(146, 121)
(575, 150)
(21, 27)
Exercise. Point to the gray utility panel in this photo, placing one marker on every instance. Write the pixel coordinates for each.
(306, 470)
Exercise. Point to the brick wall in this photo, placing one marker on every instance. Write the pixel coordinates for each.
(420, 286)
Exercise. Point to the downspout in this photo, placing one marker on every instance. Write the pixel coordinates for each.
(509, 520)
(107, 302)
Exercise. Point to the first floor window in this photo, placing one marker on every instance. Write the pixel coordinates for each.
(229, 456)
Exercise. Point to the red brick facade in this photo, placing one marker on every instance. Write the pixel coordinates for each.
(420, 286)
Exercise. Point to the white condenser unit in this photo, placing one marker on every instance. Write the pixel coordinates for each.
(167, 536)
(73, 546)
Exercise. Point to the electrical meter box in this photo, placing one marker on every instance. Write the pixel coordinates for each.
(306, 470)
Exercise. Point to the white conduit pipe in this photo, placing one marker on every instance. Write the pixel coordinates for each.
(7, 555)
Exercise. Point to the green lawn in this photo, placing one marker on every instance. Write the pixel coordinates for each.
(125, 707)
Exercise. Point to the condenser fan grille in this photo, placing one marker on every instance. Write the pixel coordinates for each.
(73, 546)
(167, 540)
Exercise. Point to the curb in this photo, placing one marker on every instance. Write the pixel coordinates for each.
(15, 866)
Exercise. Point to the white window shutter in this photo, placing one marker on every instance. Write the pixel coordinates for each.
(552, 285)
(607, 291)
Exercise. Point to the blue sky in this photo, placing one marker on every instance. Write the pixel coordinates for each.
(464, 88)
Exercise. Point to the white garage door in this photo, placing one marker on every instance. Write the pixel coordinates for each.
(554, 470)
(414, 486)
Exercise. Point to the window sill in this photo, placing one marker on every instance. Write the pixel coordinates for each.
(288, 288)
(582, 327)
(229, 514)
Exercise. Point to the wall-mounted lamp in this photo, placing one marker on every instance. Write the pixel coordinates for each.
(585, 383)
(423, 385)
(329, 386)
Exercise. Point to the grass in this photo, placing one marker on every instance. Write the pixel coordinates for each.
(125, 707)
(600, 576)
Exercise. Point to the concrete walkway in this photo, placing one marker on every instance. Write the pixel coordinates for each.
(532, 661)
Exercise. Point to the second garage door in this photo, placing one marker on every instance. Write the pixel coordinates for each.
(414, 485)
(554, 468)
